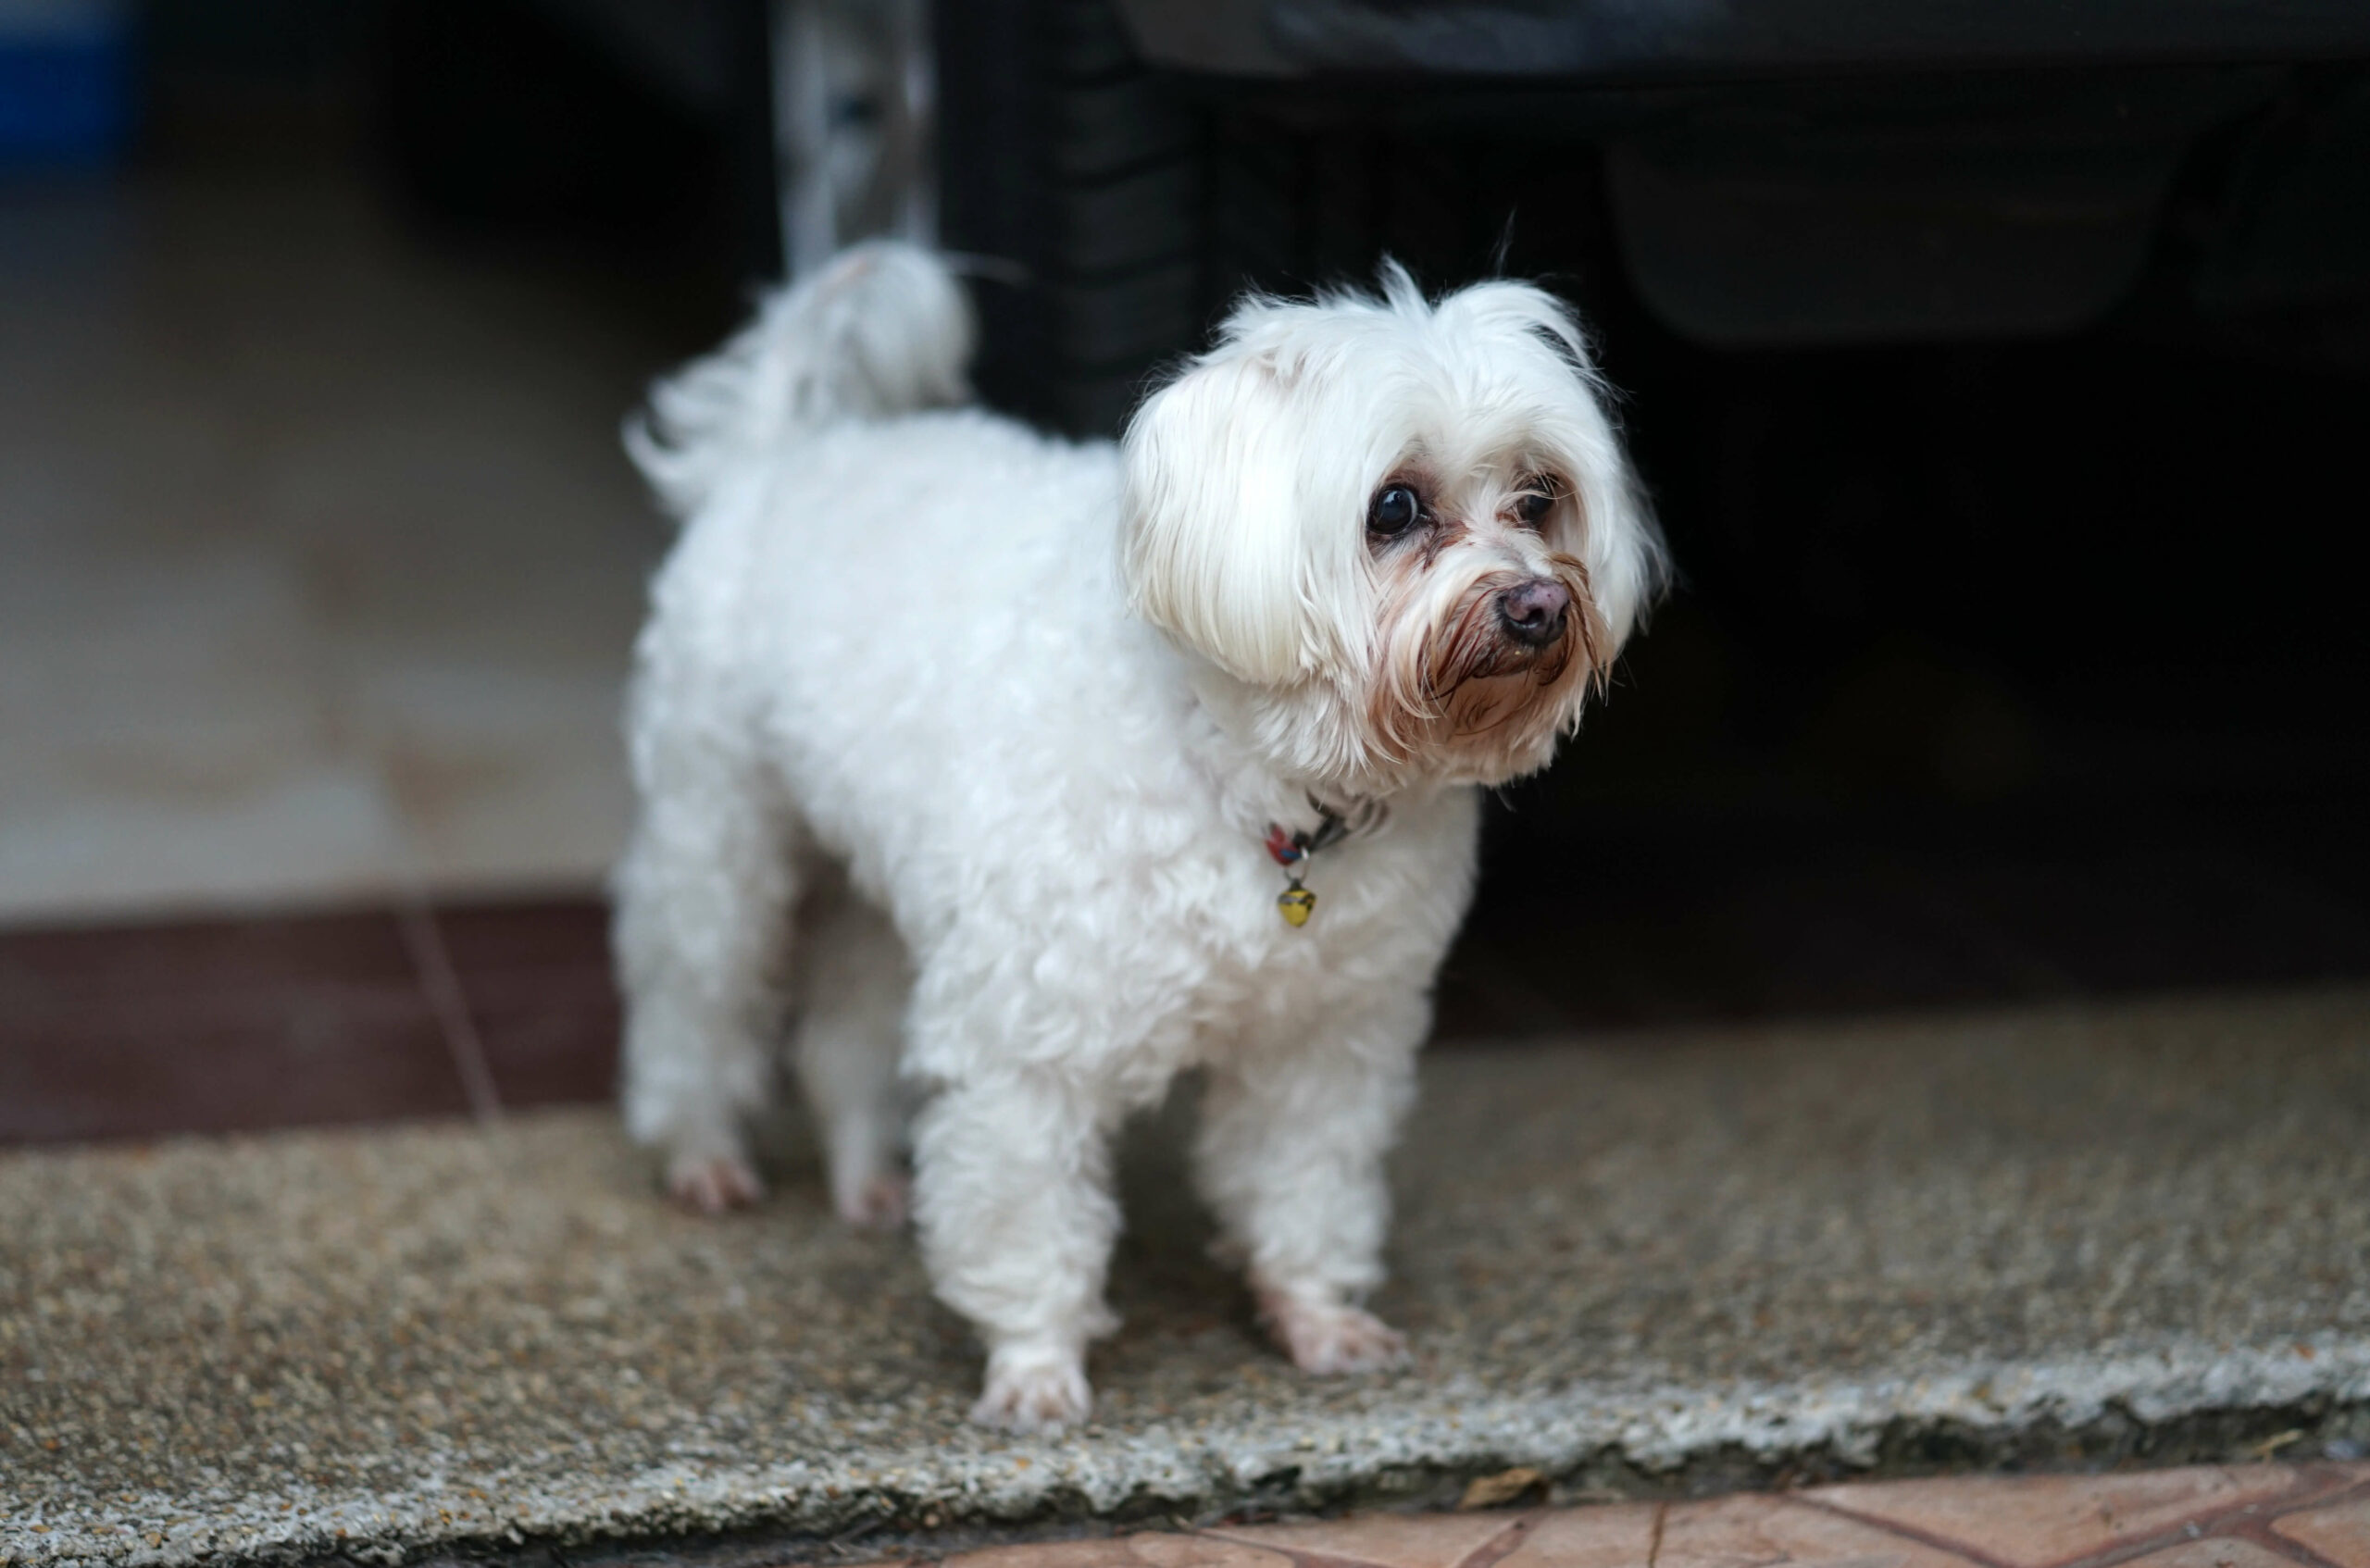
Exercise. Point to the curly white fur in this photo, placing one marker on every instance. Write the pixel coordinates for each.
(960, 744)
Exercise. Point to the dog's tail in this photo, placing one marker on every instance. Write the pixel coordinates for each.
(884, 329)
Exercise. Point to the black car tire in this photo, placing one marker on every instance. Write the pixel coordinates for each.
(1075, 181)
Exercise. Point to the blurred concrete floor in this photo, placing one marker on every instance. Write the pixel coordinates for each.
(319, 559)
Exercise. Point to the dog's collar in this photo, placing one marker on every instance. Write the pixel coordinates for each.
(1293, 848)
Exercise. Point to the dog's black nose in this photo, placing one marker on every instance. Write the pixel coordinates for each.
(1532, 612)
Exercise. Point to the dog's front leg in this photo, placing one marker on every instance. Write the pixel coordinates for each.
(1290, 1155)
(1012, 1196)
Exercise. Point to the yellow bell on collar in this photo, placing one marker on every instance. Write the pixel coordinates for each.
(1293, 850)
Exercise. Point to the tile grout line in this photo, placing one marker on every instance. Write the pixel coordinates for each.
(433, 964)
(2234, 1522)
(1907, 1532)
(2308, 1491)
(2338, 1487)
(1299, 1556)
(431, 958)
(1507, 1542)
(2237, 1523)
(2260, 1533)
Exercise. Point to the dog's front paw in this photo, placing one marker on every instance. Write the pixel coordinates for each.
(709, 1184)
(1032, 1394)
(1328, 1337)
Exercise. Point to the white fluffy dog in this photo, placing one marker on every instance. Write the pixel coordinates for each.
(1030, 774)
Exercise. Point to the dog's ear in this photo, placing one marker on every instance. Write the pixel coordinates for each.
(1215, 553)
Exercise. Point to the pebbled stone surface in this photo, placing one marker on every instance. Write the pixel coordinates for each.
(1643, 1266)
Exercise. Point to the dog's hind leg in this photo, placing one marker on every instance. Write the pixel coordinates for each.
(852, 984)
(702, 933)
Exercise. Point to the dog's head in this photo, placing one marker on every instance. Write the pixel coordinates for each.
(1405, 531)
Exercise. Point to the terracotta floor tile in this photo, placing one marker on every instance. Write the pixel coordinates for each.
(2219, 1551)
(1609, 1535)
(2040, 1519)
(1391, 1540)
(1149, 1549)
(2339, 1532)
(1754, 1529)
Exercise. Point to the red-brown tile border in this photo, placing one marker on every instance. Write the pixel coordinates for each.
(440, 986)
(536, 977)
(244, 1022)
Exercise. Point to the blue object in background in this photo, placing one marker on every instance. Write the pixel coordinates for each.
(65, 82)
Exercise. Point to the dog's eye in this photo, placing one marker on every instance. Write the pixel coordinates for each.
(1537, 500)
(1396, 509)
